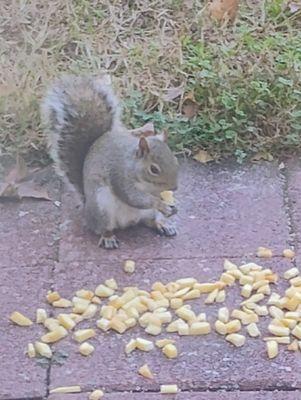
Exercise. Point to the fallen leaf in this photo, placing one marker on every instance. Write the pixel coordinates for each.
(173, 92)
(19, 183)
(145, 130)
(30, 189)
(223, 10)
(190, 109)
(262, 156)
(203, 157)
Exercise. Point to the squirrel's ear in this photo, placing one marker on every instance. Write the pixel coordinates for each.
(163, 136)
(143, 148)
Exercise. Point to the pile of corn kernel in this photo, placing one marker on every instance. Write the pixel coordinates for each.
(153, 311)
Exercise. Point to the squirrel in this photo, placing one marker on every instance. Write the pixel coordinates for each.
(119, 174)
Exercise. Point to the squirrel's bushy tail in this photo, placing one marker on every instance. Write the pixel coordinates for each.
(75, 112)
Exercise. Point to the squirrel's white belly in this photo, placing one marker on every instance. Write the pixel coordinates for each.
(120, 214)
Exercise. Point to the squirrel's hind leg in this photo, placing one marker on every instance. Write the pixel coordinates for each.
(161, 225)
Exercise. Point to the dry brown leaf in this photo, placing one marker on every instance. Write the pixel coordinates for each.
(203, 157)
(30, 189)
(190, 109)
(262, 156)
(16, 186)
(173, 92)
(223, 10)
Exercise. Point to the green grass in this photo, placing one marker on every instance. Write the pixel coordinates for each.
(246, 78)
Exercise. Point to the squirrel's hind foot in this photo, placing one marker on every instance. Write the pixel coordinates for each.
(108, 242)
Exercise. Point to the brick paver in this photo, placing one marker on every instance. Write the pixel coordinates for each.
(223, 211)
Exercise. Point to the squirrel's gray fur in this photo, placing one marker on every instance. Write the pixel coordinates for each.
(120, 175)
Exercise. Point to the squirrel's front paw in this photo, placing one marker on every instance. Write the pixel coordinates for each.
(166, 229)
(108, 242)
(167, 210)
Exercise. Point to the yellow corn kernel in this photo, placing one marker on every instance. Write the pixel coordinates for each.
(43, 349)
(31, 350)
(228, 279)
(76, 318)
(165, 317)
(246, 290)
(278, 330)
(129, 266)
(291, 273)
(145, 372)
(261, 310)
(293, 315)
(192, 294)
(297, 331)
(51, 324)
(260, 283)
(108, 312)
(96, 300)
(296, 281)
(176, 303)
(223, 314)
(278, 339)
(85, 294)
(247, 268)
(163, 342)
(220, 327)
(80, 305)
(186, 314)
(264, 290)
(54, 336)
(167, 197)
(103, 291)
(233, 326)
(211, 297)
(144, 345)
(130, 346)
(96, 394)
(154, 330)
(130, 322)
(274, 299)
(276, 312)
(66, 321)
(84, 334)
(41, 315)
(264, 252)
(86, 349)
(183, 328)
(229, 266)
(221, 295)
(200, 328)
(20, 319)
(66, 389)
(205, 287)
(288, 253)
(236, 339)
(294, 346)
(186, 282)
(52, 296)
(254, 299)
(111, 283)
(272, 348)
(158, 286)
(253, 330)
(170, 350)
(169, 389)
(117, 325)
(246, 280)
(62, 303)
(90, 311)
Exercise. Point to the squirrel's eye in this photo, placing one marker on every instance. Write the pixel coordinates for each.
(154, 169)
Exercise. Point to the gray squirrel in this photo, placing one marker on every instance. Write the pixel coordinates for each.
(119, 174)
